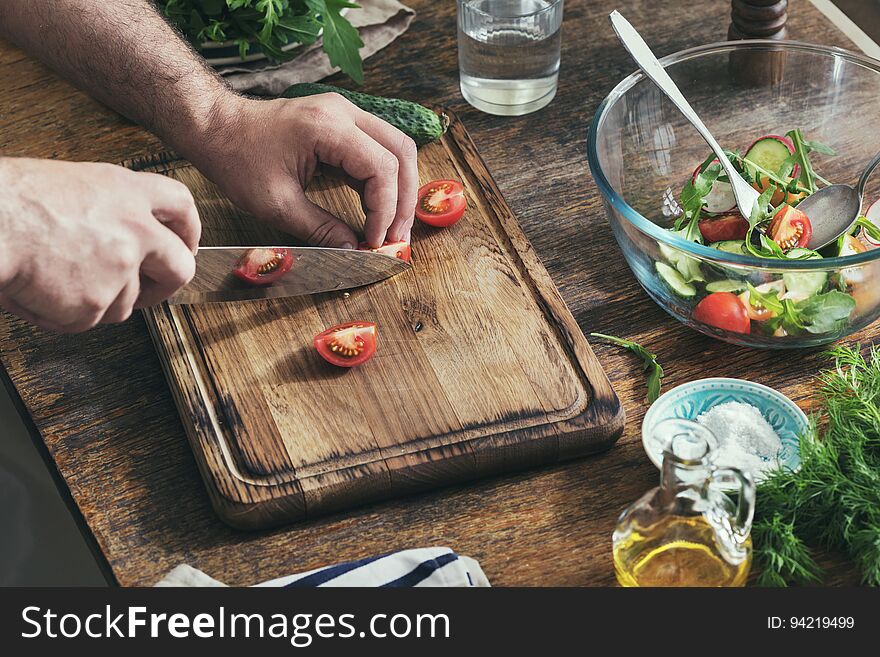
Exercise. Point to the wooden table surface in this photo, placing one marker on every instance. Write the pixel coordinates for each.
(100, 403)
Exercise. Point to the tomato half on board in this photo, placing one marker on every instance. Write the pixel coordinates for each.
(347, 345)
(724, 228)
(400, 250)
(790, 228)
(723, 310)
(441, 203)
(263, 266)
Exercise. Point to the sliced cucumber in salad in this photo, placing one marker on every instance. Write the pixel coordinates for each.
(675, 280)
(802, 285)
(731, 246)
(687, 266)
(769, 153)
(727, 285)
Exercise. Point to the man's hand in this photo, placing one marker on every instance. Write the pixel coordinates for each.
(263, 154)
(86, 243)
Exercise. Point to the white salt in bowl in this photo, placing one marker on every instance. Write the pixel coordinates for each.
(690, 400)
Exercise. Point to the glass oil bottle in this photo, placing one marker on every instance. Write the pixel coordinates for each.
(687, 531)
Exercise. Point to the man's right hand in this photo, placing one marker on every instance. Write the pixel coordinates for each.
(83, 244)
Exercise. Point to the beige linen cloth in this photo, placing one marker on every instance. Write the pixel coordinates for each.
(379, 22)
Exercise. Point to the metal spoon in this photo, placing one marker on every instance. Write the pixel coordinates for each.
(834, 209)
(745, 195)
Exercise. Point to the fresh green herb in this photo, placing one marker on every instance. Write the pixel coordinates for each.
(801, 157)
(769, 300)
(819, 147)
(652, 367)
(693, 194)
(833, 501)
(270, 25)
(780, 178)
(825, 313)
(819, 313)
(341, 40)
(870, 228)
(762, 215)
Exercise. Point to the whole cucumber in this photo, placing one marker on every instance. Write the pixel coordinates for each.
(417, 121)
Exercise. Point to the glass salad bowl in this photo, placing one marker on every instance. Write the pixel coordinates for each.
(642, 153)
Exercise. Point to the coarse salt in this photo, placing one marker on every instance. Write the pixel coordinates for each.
(745, 439)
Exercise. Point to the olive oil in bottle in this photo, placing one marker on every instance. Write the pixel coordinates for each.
(687, 531)
(677, 551)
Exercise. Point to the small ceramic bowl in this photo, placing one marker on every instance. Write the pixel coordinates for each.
(689, 400)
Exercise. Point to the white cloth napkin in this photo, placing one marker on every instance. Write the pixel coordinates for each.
(434, 566)
(379, 22)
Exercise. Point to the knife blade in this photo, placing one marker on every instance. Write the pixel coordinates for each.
(314, 270)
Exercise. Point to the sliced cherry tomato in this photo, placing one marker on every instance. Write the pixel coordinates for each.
(757, 312)
(347, 345)
(263, 266)
(779, 196)
(849, 245)
(399, 250)
(441, 203)
(723, 228)
(791, 228)
(723, 310)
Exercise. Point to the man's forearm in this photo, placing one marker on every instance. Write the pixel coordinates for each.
(124, 54)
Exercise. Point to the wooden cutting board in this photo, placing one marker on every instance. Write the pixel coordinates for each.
(480, 367)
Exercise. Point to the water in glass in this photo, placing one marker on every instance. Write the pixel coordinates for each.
(508, 53)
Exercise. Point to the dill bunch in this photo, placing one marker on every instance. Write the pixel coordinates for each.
(833, 501)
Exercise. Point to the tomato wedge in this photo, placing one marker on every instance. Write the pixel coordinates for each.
(400, 250)
(263, 266)
(441, 203)
(791, 228)
(757, 312)
(723, 228)
(347, 345)
(723, 310)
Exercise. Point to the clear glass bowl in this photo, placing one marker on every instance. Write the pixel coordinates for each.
(640, 147)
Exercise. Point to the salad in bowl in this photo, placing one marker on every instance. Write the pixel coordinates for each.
(793, 118)
(781, 168)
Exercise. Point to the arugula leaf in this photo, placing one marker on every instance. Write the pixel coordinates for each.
(342, 42)
(820, 313)
(824, 313)
(769, 300)
(270, 25)
(869, 227)
(819, 147)
(802, 149)
(760, 211)
(651, 365)
(692, 197)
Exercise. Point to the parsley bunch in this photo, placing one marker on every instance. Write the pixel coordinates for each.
(270, 25)
(833, 501)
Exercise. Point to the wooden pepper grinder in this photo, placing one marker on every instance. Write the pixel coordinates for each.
(758, 19)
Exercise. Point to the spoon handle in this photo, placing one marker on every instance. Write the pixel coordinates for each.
(863, 181)
(641, 53)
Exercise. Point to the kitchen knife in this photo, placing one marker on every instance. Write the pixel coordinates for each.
(313, 270)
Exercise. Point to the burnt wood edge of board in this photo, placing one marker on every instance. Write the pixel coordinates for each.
(596, 428)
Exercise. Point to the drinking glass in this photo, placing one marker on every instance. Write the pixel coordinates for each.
(508, 54)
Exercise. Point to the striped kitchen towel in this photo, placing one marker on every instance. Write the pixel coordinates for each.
(436, 566)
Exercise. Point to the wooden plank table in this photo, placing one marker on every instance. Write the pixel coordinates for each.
(101, 406)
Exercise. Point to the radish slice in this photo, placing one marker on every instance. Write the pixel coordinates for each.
(720, 198)
(769, 152)
(873, 215)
